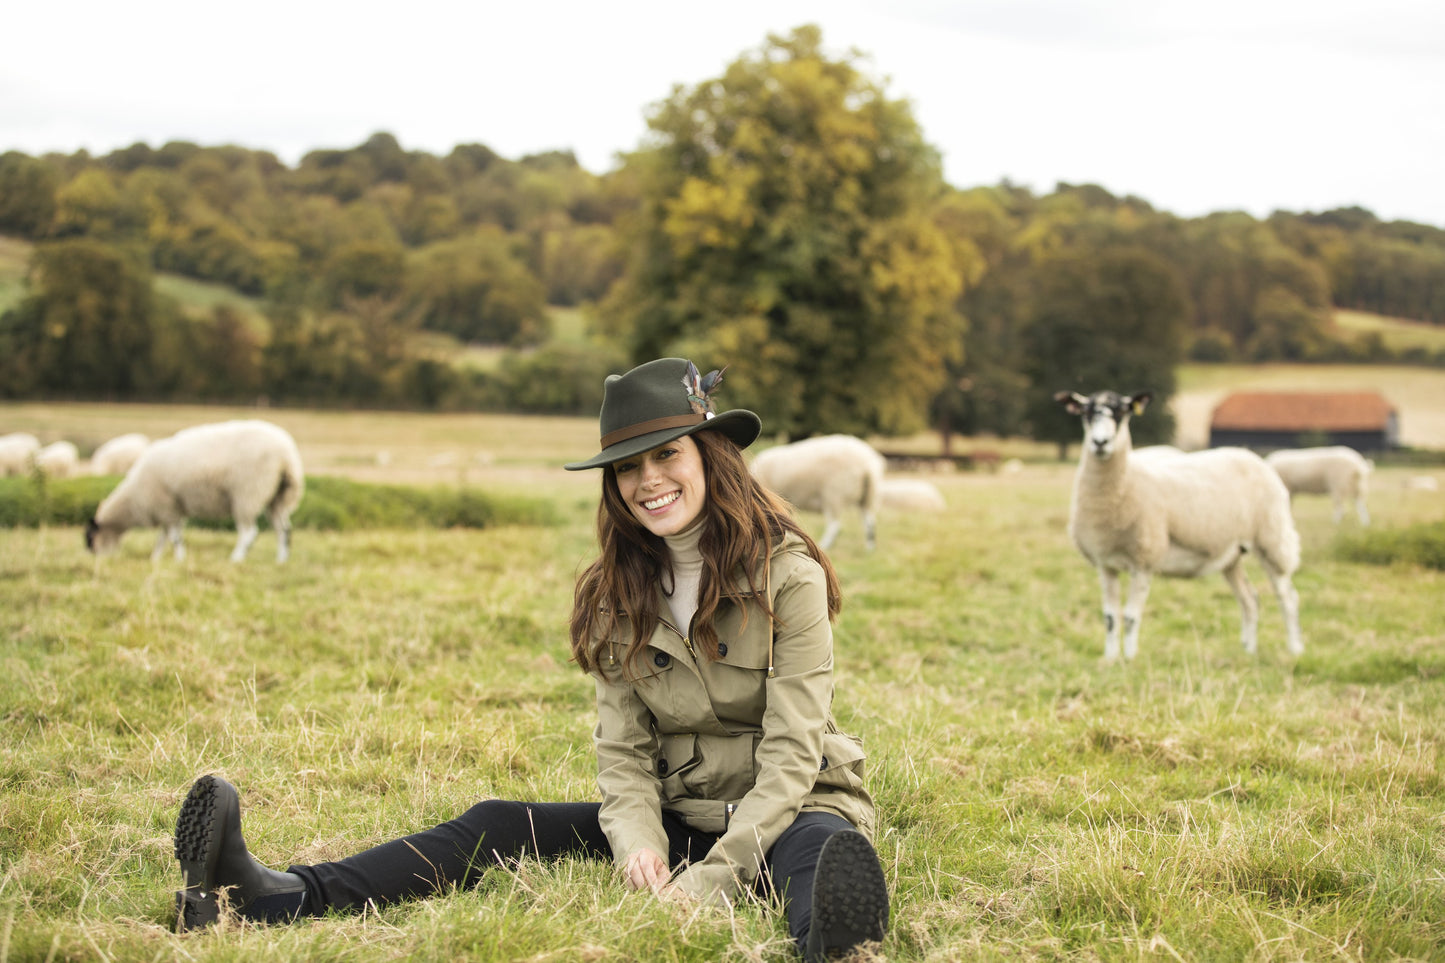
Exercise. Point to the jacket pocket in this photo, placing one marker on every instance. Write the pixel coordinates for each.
(842, 764)
(677, 756)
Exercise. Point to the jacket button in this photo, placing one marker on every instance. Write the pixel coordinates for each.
(662, 767)
(823, 765)
(722, 648)
(661, 659)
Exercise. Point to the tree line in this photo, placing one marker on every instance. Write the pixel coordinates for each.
(787, 212)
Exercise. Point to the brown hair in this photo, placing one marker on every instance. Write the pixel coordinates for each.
(743, 520)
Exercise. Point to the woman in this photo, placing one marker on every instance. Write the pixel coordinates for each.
(706, 623)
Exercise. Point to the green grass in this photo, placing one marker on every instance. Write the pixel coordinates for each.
(1036, 804)
(1398, 334)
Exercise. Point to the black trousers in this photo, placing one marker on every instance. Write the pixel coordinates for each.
(497, 831)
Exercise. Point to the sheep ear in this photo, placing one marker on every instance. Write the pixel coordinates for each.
(1139, 402)
(1072, 402)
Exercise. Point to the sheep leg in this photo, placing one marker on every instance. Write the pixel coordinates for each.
(830, 533)
(246, 533)
(281, 523)
(171, 533)
(870, 529)
(1248, 606)
(1288, 597)
(1338, 504)
(1109, 587)
(1361, 510)
(1134, 610)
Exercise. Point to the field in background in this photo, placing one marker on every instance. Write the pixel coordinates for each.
(1035, 804)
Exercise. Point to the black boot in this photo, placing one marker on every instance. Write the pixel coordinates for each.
(850, 897)
(214, 861)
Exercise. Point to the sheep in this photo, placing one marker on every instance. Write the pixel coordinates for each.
(912, 495)
(828, 474)
(15, 451)
(1337, 471)
(1179, 515)
(117, 455)
(235, 468)
(57, 460)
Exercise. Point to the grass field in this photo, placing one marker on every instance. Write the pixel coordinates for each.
(1036, 804)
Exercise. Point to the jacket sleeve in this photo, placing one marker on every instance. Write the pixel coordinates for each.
(799, 697)
(626, 743)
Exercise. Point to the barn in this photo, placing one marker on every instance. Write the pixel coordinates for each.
(1265, 420)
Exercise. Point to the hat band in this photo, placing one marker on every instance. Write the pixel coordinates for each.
(647, 427)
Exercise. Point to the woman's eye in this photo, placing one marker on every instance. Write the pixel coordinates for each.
(624, 468)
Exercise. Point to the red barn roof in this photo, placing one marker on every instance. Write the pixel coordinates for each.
(1303, 411)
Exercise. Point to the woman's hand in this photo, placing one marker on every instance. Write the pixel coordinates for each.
(646, 870)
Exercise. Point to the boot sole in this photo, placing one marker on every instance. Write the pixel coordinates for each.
(198, 847)
(850, 896)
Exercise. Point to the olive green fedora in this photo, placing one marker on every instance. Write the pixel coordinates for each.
(657, 402)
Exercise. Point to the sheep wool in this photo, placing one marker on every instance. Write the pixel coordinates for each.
(828, 474)
(116, 456)
(232, 469)
(16, 449)
(57, 460)
(1337, 471)
(1175, 514)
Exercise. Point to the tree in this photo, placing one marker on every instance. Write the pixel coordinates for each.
(86, 328)
(1114, 320)
(784, 218)
(27, 195)
(477, 288)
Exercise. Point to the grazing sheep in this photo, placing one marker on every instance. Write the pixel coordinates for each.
(234, 468)
(1177, 515)
(117, 455)
(912, 495)
(15, 451)
(1337, 471)
(57, 460)
(827, 474)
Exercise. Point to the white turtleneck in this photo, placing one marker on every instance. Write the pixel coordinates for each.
(686, 573)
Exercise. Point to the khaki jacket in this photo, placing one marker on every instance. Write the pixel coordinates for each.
(721, 744)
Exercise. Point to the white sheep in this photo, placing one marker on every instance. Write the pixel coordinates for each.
(1179, 515)
(116, 456)
(912, 495)
(235, 469)
(828, 474)
(1337, 471)
(16, 449)
(58, 459)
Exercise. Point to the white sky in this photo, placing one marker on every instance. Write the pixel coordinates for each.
(1252, 105)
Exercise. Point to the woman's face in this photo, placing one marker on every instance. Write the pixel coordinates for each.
(664, 487)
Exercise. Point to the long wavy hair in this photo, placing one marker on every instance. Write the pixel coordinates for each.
(743, 521)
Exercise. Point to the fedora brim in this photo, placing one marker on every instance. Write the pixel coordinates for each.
(739, 425)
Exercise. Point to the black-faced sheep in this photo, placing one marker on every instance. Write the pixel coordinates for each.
(233, 469)
(828, 474)
(16, 450)
(1177, 515)
(116, 456)
(1337, 471)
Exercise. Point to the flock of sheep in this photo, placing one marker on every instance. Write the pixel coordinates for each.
(1146, 512)
(231, 469)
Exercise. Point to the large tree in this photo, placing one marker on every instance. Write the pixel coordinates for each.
(1114, 319)
(784, 222)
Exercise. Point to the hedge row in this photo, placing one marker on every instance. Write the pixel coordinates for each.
(331, 504)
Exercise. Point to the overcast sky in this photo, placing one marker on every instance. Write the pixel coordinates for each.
(1253, 105)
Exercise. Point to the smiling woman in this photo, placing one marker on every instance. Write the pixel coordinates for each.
(722, 771)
